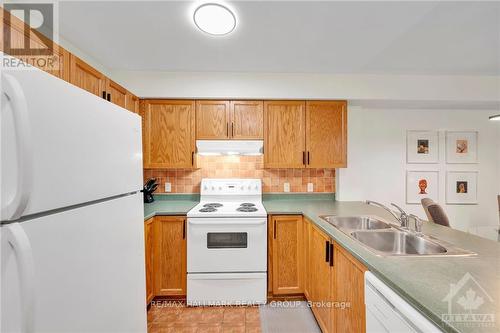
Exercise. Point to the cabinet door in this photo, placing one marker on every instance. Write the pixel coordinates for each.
(287, 255)
(132, 102)
(169, 134)
(284, 138)
(320, 276)
(148, 242)
(326, 134)
(247, 120)
(86, 77)
(115, 93)
(349, 286)
(169, 256)
(212, 120)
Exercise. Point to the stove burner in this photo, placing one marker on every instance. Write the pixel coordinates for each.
(213, 205)
(247, 204)
(245, 209)
(208, 210)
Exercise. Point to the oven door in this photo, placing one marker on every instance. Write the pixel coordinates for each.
(216, 245)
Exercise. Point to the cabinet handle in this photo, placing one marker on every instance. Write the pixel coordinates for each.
(232, 129)
(192, 158)
(227, 129)
(327, 251)
(308, 160)
(274, 229)
(184, 230)
(104, 94)
(108, 97)
(331, 255)
(304, 157)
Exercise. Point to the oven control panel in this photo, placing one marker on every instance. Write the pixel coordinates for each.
(231, 186)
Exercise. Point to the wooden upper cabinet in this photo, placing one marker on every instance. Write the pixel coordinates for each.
(212, 120)
(115, 93)
(326, 134)
(287, 256)
(169, 256)
(169, 140)
(132, 102)
(86, 77)
(284, 134)
(247, 120)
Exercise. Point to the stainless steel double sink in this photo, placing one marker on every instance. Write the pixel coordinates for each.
(390, 240)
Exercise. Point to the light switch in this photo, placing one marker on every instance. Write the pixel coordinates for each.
(168, 187)
(286, 187)
(310, 187)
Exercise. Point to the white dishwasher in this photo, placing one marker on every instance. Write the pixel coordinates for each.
(388, 312)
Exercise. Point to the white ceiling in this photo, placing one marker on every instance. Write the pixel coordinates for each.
(445, 38)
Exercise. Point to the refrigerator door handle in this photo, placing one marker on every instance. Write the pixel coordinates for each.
(18, 240)
(12, 89)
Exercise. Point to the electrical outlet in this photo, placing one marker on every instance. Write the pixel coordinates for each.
(310, 187)
(168, 187)
(286, 187)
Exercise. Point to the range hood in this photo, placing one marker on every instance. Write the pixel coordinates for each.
(229, 147)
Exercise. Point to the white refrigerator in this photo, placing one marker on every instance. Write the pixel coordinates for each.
(72, 237)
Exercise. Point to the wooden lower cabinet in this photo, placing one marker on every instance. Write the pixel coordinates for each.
(287, 254)
(148, 243)
(169, 256)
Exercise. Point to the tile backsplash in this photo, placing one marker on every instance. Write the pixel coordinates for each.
(188, 180)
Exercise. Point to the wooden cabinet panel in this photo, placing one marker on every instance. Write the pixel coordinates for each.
(306, 226)
(247, 120)
(115, 93)
(86, 77)
(287, 259)
(349, 287)
(320, 275)
(169, 256)
(284, 134)
(212, 120)
(326, 134)
(148, 242)
(169, 134)
(132, 102)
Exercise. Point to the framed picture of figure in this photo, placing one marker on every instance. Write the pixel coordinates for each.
(422, 146)
(461, 147)
(461, 187)
(421, 184)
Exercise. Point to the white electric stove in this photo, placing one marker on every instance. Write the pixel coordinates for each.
(227, 244)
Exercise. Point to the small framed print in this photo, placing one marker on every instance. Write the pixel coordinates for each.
(461, 147)
(461, 188)
(421, 184)
(422, 147)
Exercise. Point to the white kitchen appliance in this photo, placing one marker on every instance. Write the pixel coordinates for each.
(387, 312)
(72, 242)
(227, 244)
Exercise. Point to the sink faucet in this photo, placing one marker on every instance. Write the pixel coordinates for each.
(418, 223)
(402, 218)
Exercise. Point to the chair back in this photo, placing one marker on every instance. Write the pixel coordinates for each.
(435, 212)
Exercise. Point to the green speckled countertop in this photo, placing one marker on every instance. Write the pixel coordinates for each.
(421, 281)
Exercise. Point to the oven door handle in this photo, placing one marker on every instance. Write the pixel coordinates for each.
(231, 222)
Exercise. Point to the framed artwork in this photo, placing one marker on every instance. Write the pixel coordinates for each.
(421, 184)
(461, 147)
(422, 147)
(461, 187)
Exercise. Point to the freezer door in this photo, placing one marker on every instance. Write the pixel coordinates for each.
(62, 146)
(81, 270)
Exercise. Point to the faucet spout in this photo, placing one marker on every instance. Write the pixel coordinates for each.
(402, 219)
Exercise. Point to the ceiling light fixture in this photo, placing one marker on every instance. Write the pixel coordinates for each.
(495, 117)
(214, 19)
